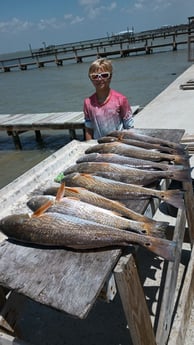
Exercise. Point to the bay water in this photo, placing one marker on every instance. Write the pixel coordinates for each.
(62, 89)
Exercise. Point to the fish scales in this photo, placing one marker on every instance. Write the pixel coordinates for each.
(132, 134)
(129, 161)
(54, 229)
(118, 190)
(127, 174)
(143, 144)
(136, 152)
(98, 200)
(77, 208)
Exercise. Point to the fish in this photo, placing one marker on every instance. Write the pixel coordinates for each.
(133, 134)
(137, 152)
(98, 200)
(55, 229)
(75, 207)
(129, 161)
(126, 174)
(141, 144)
(118, 190)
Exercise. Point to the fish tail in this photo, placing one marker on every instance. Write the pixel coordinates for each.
(181, 175)
(181, 159)
(156, 229)
(173, 197)
(161, 247)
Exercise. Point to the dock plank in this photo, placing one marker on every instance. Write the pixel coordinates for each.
(66, 280)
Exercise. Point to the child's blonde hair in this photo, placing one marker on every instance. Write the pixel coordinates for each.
(103, 64)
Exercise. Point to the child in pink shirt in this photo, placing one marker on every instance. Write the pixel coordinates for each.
(106, 110)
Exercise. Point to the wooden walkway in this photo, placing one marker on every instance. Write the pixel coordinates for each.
(17, 124)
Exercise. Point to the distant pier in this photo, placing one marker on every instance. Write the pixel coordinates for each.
(115, 46)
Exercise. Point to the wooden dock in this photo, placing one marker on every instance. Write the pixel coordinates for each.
(17, 124)
(139, 43)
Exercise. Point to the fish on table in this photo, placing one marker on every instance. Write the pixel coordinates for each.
(127, 174)
(124, 191)
(55, 229)
(75, 207)
(133, 134)
(129, 161)
(141, 144)
(93, 198)
(137, 152)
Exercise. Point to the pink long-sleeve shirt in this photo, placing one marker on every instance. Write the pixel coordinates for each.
(114, 114)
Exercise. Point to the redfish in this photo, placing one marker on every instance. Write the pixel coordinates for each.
(137, 152)
(126, 174)
(133, 134)
(143, 144)
(55, 229)
(129, 161)
(124, 191)
(75, 207)
(152, 226)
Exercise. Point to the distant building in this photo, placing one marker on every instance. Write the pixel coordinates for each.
(123, 34)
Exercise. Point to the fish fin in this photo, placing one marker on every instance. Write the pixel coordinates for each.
(87, 176)
(39, 212)
(72, 198)
(72, 189)
(120, 137)
(156, 229)
(181, 159)
(161, 247)
(60, 192)
(174, 197)
(181, 175)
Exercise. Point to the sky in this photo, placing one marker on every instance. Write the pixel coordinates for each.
(40, 23)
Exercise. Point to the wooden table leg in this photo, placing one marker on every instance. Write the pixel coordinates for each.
(134, 302)
(170, 280)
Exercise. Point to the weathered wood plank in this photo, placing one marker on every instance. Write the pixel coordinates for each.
(35, 119)
(181, 321)
(66, 280)
(168, 298)
(133, 301)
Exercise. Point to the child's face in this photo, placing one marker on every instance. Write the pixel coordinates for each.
(100, 78)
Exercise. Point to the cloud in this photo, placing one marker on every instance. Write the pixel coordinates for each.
(15, 25)
(73, 19)
(152, 4)
(93, 8)
(89, 2)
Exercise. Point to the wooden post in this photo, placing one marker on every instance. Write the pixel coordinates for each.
(16, 139)
(168, 298)
(181, 321)
(38, 136)
(189, 202)
(133, 301)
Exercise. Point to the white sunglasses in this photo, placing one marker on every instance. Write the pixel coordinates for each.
(102, 75)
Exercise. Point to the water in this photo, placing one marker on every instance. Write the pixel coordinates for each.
(54, 89)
